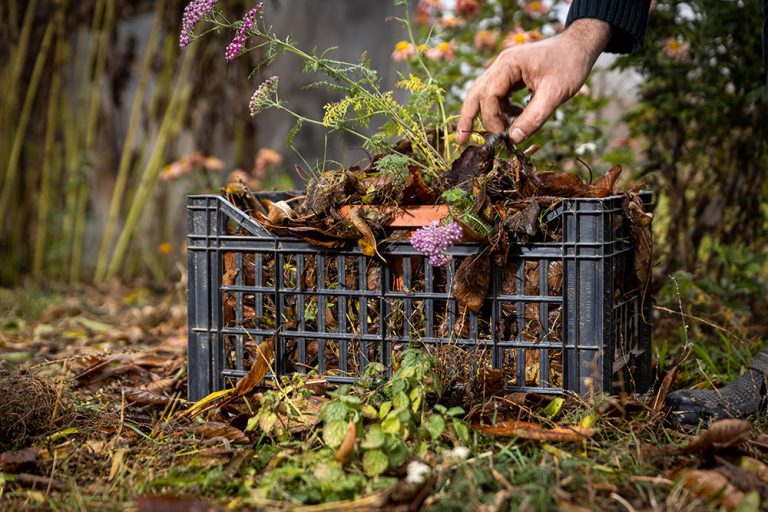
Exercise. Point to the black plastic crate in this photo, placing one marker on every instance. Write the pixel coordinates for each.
(333, 311)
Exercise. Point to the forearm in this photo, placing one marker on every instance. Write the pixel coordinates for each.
(589, 36)
(628, 19)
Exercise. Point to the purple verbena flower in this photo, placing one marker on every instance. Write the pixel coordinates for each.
(237, 45)
(193, 13)
(435, 239)
(261, 98)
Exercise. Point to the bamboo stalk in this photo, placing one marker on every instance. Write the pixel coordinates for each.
(90, 136)
(12, 168)
(45, 199)
(174, 113)
(125, 156)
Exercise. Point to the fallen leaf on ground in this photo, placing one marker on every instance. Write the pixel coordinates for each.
(536, 432)
(213, 429)
(711, 485)
(720, 434)
(265, 353)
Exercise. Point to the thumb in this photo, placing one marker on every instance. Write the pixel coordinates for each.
(534, 115)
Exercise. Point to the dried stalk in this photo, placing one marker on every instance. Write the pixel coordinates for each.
(171, 123)
(90, 136)
(12, 167)
(45, 199)
(125, 156)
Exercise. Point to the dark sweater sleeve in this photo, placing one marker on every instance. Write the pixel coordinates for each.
(629, 19)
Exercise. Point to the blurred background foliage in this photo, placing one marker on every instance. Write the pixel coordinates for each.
(107, 125)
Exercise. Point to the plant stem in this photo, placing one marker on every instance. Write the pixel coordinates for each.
(125, 157)
(175, 110)
(45, 199)
(90, 135)
(12, 168)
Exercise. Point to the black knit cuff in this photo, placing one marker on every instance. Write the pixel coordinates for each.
(629, 19)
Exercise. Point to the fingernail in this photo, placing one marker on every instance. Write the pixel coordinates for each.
(518, 136)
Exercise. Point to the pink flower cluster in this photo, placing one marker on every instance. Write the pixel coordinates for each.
(237, 45)
(193, 13)
(435, 239)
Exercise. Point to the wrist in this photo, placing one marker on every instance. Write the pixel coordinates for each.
(589, 35)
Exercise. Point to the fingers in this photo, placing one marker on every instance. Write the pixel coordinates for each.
(469, 111)
(535, 114)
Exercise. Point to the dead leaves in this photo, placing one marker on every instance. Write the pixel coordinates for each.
(536, 432)
(344, 451)
(721, 434)
(367, 241)
(265, 353)
(214, 429)
(473, 277)
(711, 485)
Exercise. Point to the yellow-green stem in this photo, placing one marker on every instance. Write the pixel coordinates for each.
(90, 136)
(174, 112)
(12, 167)
(125, 156)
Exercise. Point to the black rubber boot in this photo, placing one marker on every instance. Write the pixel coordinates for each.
(743, 397)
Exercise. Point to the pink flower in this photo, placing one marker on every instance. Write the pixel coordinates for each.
(677, 49)
(536, 7)
(517, 37)
(403, 50)
(193, 13)
(443, 51)
(237, 45)
(451, 22)
(486, 40)
(468, 8)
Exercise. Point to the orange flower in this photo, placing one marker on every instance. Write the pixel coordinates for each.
(677, 49)
(267, 157)
(486, 40)
(164, 248)
(468, 8)
(403, 50)
(443, 51)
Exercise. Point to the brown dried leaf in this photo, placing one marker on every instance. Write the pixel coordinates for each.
(720, 434)
(144, 397)
(367, 242)
(562, 185)
(642, 240)
(348, 444)
(416, 190)
(166, 503)
(711, 485)
(19, 460)
(265, 353)
(279, 212)
(536, 432)
(474, 161)
(756, 467)
(605, 185)
(473, 277)
(524, 223)
(211, 429)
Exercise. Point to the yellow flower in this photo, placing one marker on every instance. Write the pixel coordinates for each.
(413, 84)
(403, 50)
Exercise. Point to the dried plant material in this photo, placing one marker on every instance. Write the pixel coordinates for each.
(536, 432)
(19, 460)
(26, 407)
(720, 434)
(279, 212)
(606, 185)
(144, 397)
(265, 353)
(166, 503)
(367, 242)
(758, 468)
(474, 161)
(416, 190)
(213, 429)
(347, 446)
(642, 239)
(711, 485)
(524, 223)
(559, 184)
(473, 277)
(666, 384)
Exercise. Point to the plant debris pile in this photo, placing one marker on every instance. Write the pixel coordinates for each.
(27, 406)
(497, 196)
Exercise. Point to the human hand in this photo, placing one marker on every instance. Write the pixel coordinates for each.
(553, 69)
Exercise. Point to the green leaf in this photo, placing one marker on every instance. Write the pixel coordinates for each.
(384, 409)
(374, 462)
(267, 421)
(369, 412)
(391, 424)
(455, 411)
(334, 432)
(461, 430)
(435, 425)
(553, 408)
(334, 410)
(374, 438)
(397, 452)
(400, 401)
